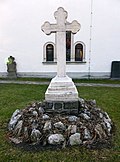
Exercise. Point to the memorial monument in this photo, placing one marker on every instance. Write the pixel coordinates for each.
(11, 68)
(55, 123)
(61, 88)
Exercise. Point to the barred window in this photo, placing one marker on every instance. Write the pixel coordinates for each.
(79, 52)
(75, 52)
(49, 52)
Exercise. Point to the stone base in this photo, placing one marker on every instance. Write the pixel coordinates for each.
(83, 128)
(61, 107)
(12, 75)
(61, 89)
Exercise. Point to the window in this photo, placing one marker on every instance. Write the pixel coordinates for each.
(68, 46)
(49, 52)
(79, 52)
(75, 52)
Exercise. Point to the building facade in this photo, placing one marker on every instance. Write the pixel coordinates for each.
(89, 53)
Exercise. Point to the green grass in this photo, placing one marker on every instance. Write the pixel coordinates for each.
(15, 96)
(102, 81)
(29, 79)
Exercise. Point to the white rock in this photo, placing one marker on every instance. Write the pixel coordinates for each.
(41, 110)
(72, 118)
(15, 113)
(26, 132)
(15, 140)
(31, 109)
(45, 116)
(93, 102)
(108, 124)
(85, 116)
(59, 125)
(35, 135)
(72, 129)
(18, 127)
(100, 131)
(13, 121)
(86, 134)
(47, 125)
(34, 124)
(107, 117)
(35, 113)
(55, 139)
(82, 101)
(101, 115)
(34, 105)
(75, 139)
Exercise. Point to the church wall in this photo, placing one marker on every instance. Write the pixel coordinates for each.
(21, 35)
(105, 35)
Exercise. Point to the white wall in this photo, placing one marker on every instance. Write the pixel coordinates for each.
(21, 35)
(105, 35)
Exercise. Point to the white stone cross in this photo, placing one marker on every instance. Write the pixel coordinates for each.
(60, 29)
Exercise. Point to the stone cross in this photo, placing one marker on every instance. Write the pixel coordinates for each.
(60, 29)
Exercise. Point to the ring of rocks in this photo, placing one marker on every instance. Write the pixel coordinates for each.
(33, 128)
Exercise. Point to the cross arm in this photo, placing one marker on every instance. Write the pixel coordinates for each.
(74, 27)
(48, 28)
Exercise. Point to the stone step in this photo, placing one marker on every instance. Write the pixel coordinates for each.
(61, 89)
(61, 98)
(62, 84)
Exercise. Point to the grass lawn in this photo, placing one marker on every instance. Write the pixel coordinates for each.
(15, 96)
(102, 81)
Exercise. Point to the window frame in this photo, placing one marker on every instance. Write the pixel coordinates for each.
(45, 52)
(84, 49)
(72, 60)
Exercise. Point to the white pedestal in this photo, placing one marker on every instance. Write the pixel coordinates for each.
(61, 89)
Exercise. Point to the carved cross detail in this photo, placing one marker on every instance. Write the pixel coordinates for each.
(60, 29)
(62, 25)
